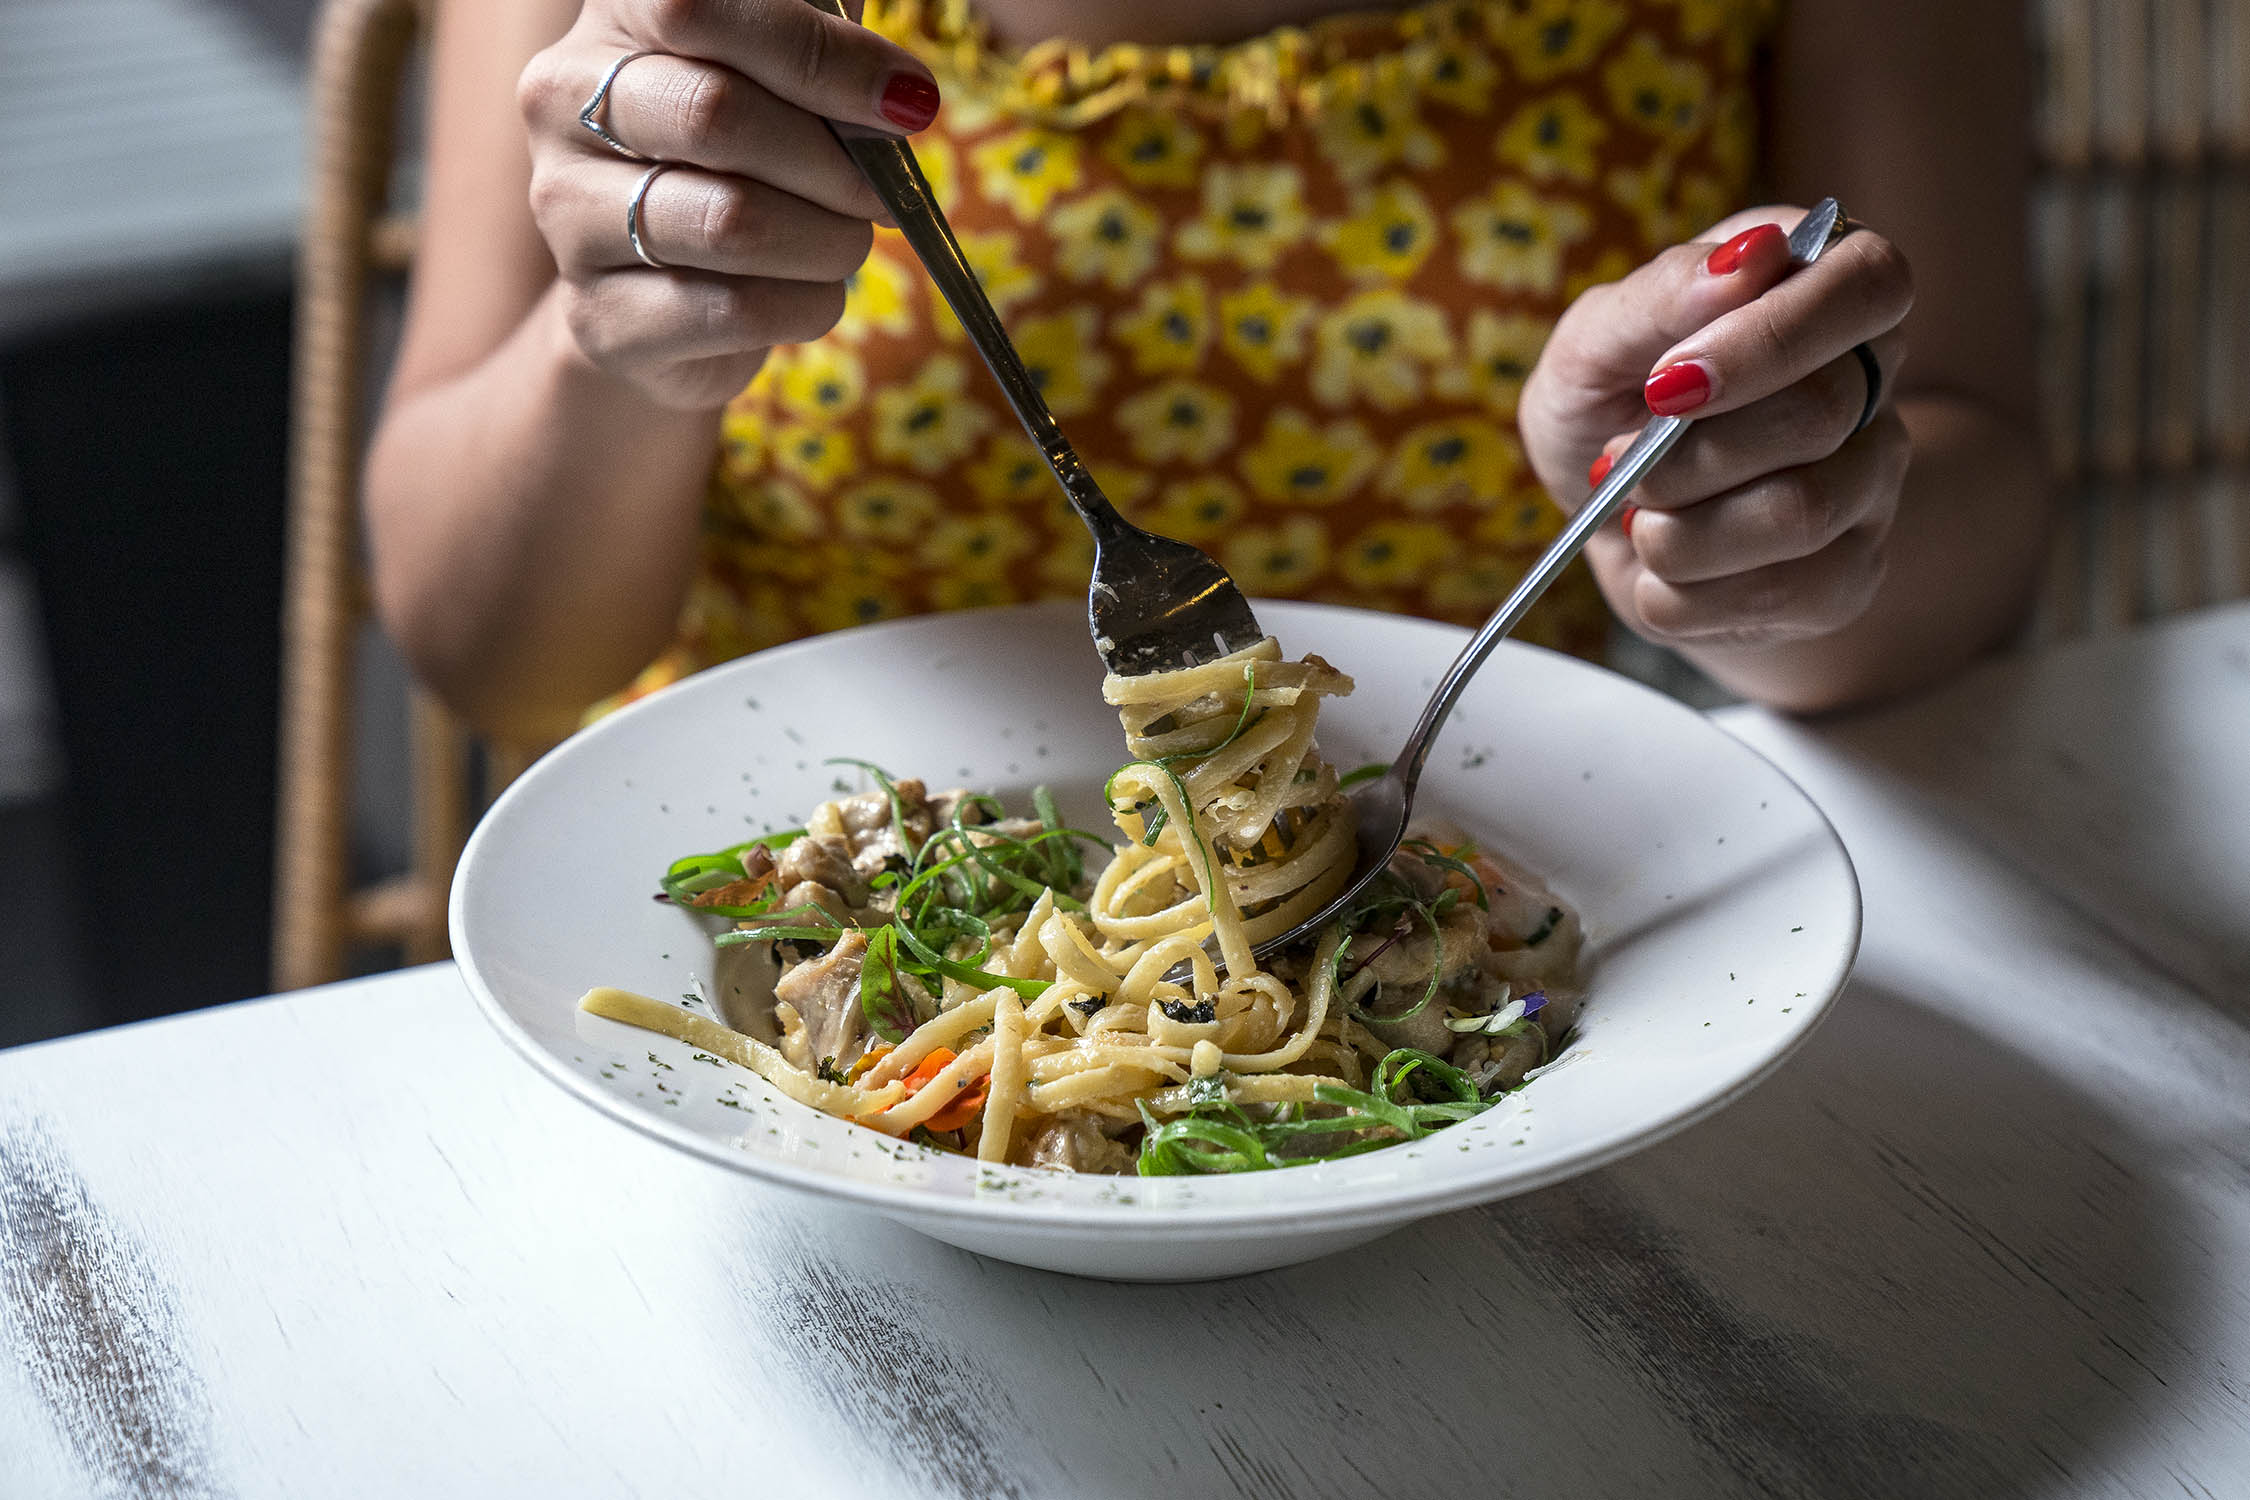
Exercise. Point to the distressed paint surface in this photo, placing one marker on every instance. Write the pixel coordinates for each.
(1982, 1237)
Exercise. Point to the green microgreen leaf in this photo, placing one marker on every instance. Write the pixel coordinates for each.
(883, 998)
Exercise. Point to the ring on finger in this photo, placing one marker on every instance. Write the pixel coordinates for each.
(1873, 369)
(633, 207)
(591, 115)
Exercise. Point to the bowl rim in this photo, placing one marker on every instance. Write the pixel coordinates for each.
(1357, 1207)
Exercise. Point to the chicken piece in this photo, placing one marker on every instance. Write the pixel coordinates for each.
(813, 893)
(865, 825)
(1072, 1141)
(1495, 1063)
(824, 993)
(1403, 966)
(822, 860)
(946, 803)
(1425, 1029)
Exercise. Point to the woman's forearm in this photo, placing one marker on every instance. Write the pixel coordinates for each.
(533, 526)
(1961, 563)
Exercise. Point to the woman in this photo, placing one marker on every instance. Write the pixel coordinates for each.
(1283, 269)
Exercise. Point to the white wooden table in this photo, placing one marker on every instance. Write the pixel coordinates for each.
(1984, 1237)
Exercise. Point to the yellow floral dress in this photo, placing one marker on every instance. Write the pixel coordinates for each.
(1282, 295)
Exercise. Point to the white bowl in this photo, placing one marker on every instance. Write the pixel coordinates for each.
(1720, 909)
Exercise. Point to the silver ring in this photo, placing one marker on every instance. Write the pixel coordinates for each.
(590, 115)
(1873, 369)
(633, 215)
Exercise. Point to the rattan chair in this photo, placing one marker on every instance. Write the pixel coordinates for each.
(2142, 227)
(352, 242)
(2142, 243)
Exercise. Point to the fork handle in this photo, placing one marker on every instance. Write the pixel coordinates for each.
(888, 164)
(1813, 234)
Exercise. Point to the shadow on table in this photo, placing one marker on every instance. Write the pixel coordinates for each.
(2113, 772)
(1904, 1265)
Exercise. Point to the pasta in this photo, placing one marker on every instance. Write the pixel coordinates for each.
(931, 967)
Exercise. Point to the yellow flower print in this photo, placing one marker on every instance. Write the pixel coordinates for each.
(1664, 95)
(1523, 519)
(1387, 237)
(1611, 265)
(1550, 37)
(1736, 24)
(1475, 587)
(1005, 279)
(1178, 419)
(1553, 137)
(742, 441)
(1124, 487)
(1251, 215)
(851, 597)
(1370, 120)
(967, 111)
(1450, 461)
(1196, 509)
(1734, 134)
(1702, 19)
(1154, 148)
(1457, 74)
(1646, 193)
(1263, 328)
(776, 511)
(1060, 353)
(1011, 472)
(792, 561)
(875, 295)
(941, 168)
(929, 424)
(886, 510)
(1106, 236)
(1502, 348)
(972, 593)
(1297, 463)
(1375, 347)
(1393, 554)
(1703, 201)
(1246, 130)
(817, 455)
(979, 546)
(727, 625)
(1170, 329)
(1515, 239)
(1069, 561)
(1277, 559)
(821, 381)
(1025, 169)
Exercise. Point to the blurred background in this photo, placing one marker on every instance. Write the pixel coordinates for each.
(201, 234)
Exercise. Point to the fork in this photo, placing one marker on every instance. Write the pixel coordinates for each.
(1155, 604)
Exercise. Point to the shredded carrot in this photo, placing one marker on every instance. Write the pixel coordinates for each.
(867, 1060)
(964, 1108)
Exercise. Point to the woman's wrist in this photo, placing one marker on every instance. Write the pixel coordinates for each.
(1961, 563)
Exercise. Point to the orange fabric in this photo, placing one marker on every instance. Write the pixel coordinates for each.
(1282, 295)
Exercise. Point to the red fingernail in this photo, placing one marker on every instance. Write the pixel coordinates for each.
(1677, 388)
(910, 101)
(1728, 258)
(1625, 519)
(1599, 470)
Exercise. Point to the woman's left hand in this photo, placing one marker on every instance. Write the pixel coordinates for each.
(1766, 523)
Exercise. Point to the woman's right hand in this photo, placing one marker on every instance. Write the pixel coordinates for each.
(762, 217)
